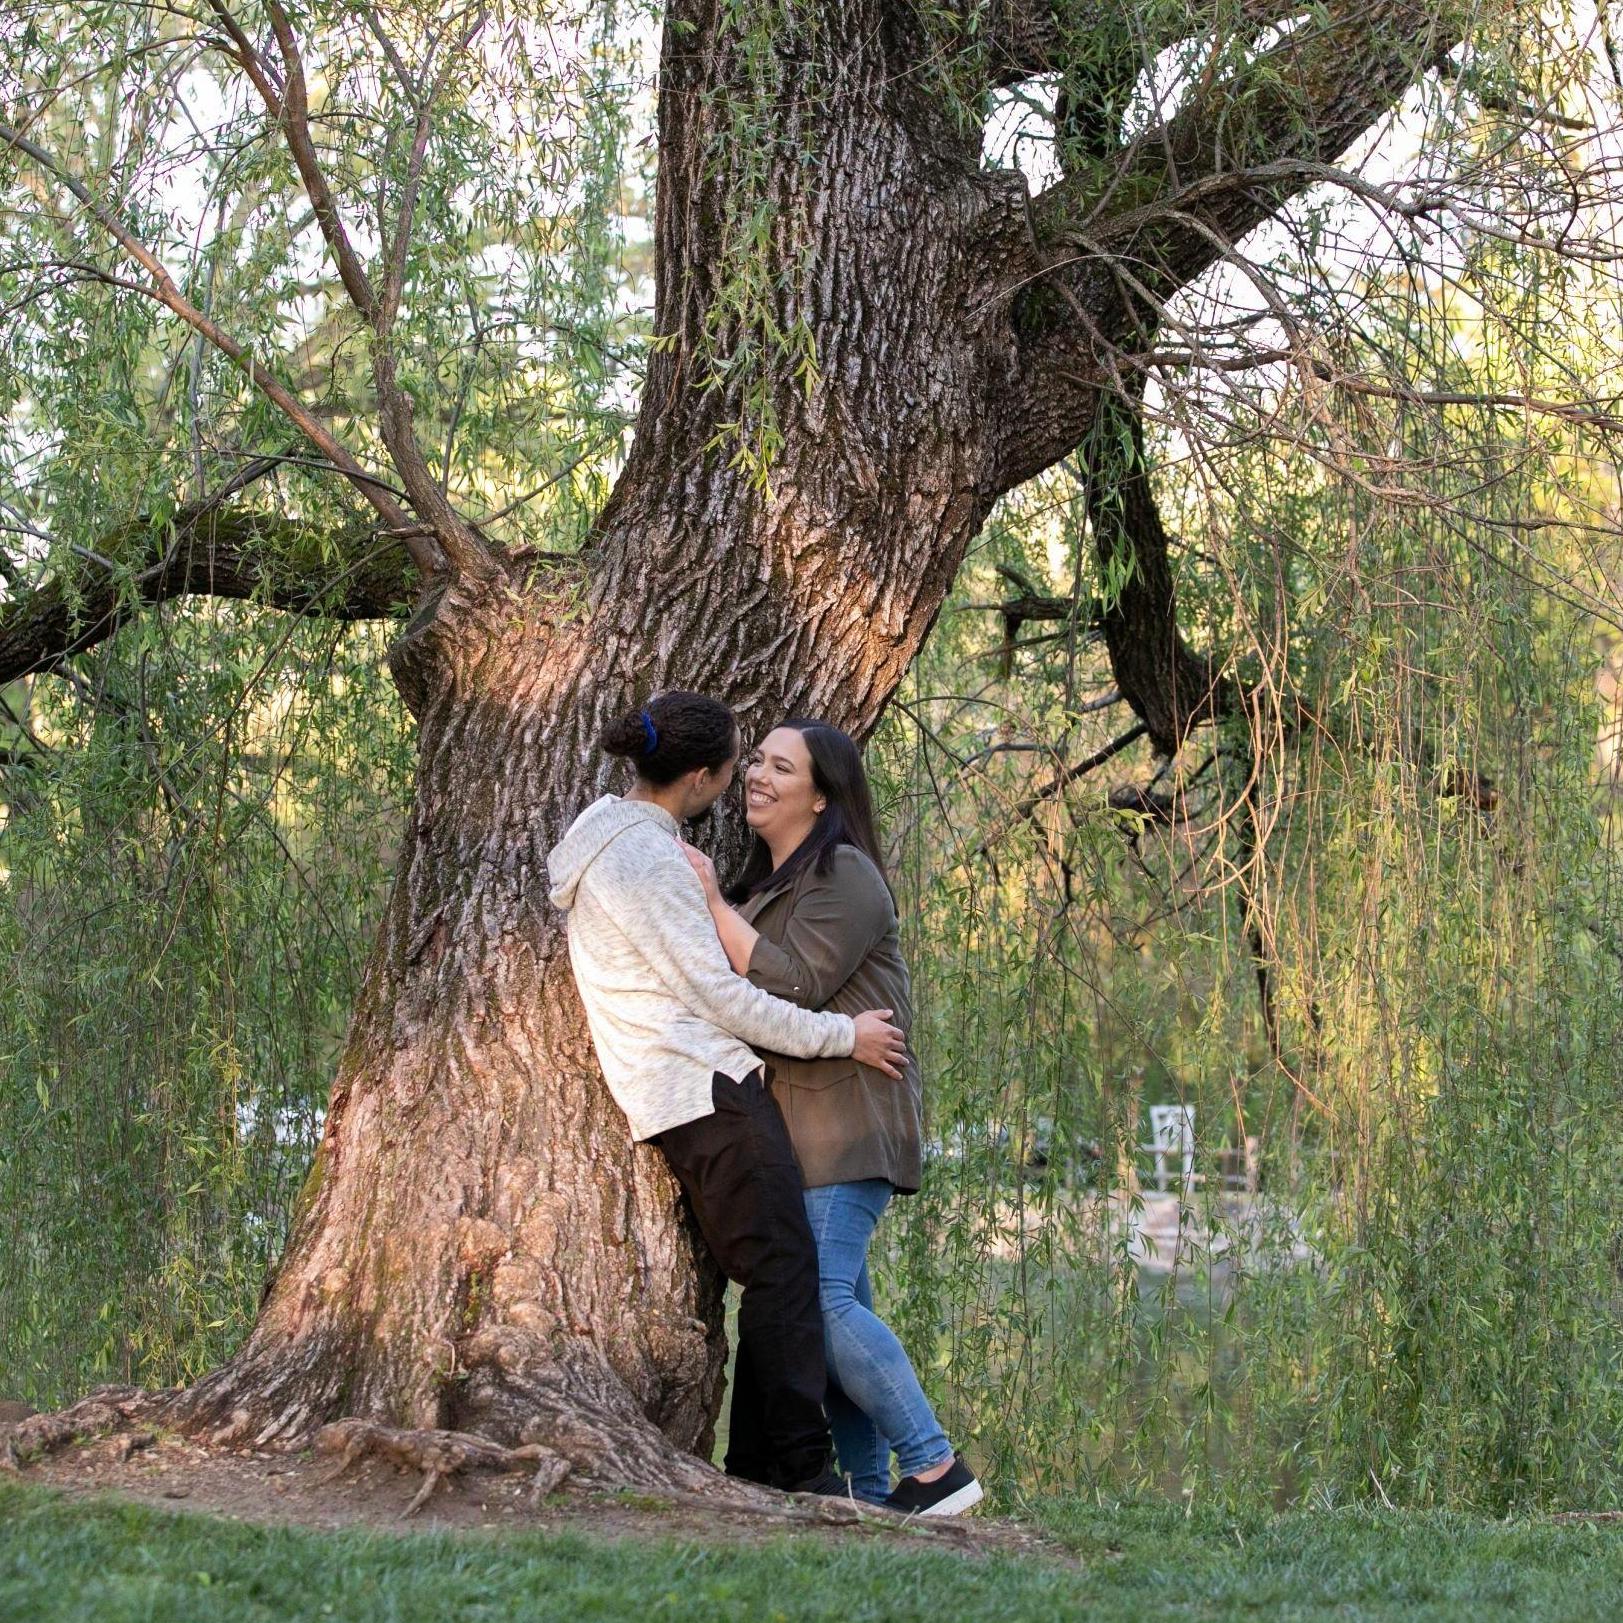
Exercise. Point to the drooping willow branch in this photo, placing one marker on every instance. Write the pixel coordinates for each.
(286, 98)
(441, 537)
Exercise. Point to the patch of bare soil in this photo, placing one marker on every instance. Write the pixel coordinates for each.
(302, 1489)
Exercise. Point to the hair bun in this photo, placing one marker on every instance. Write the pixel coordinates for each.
(672, 733)
(626, 735)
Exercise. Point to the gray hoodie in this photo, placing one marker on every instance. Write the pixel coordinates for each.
(665, 1009)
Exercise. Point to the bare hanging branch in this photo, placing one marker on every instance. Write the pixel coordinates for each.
(1024, 810)
(286, 99)
(163, 289)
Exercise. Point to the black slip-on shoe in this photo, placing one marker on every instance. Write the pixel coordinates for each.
(951, 1494)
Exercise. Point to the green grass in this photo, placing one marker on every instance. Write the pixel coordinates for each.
(116, 1563)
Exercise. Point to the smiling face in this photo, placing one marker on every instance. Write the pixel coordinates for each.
(781, 798)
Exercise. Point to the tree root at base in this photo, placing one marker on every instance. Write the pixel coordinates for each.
(606, 1450)
(131, 1419)
(438, 1454)
(132, 1412)
(104, 1410)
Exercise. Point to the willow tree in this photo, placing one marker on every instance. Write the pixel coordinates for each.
(864, 334)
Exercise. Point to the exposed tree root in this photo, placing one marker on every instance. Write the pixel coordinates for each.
(438, 1454)
(605, 1449)
(515, 1392)
(571, 1402)
(105, 1410)
(275, 1398)
(577, 1444)
(523, 1406)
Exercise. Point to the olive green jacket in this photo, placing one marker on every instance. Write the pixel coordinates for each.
(830, 941)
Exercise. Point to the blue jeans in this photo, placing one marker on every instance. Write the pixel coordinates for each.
(875, 1403)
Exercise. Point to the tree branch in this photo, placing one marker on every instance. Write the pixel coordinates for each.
(1025, 39)
(1030, 604)
(1023, 811)
(202, 551)
(394, 279)
(163, 289)
(1170, 688)
(1187, 188)
(1108, 244)
(466, 549)
(289, 105)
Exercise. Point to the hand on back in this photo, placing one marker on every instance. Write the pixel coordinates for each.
(879, 1044)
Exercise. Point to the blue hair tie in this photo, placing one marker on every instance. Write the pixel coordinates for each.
(649, 732)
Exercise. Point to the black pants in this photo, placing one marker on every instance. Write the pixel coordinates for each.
(743, 1181)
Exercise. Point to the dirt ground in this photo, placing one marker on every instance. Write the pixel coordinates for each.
(300, 1489)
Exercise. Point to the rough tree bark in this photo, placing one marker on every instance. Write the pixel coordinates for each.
(478, 1247)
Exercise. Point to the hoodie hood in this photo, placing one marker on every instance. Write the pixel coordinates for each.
(603, 822)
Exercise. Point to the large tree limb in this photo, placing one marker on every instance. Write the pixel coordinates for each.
(1025, 39)
(1189, 189)
(1108, 244)
(1170, 688)
(204, 552)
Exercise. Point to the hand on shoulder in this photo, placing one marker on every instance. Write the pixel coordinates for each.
(704, 868)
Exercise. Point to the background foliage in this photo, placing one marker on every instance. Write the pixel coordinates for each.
(1370, 920)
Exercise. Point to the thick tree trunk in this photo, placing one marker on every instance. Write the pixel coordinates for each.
(479, 1246)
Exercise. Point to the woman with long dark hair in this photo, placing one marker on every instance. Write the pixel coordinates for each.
(812, 920)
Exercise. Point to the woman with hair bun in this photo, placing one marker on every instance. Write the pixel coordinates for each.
(674, 1027)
